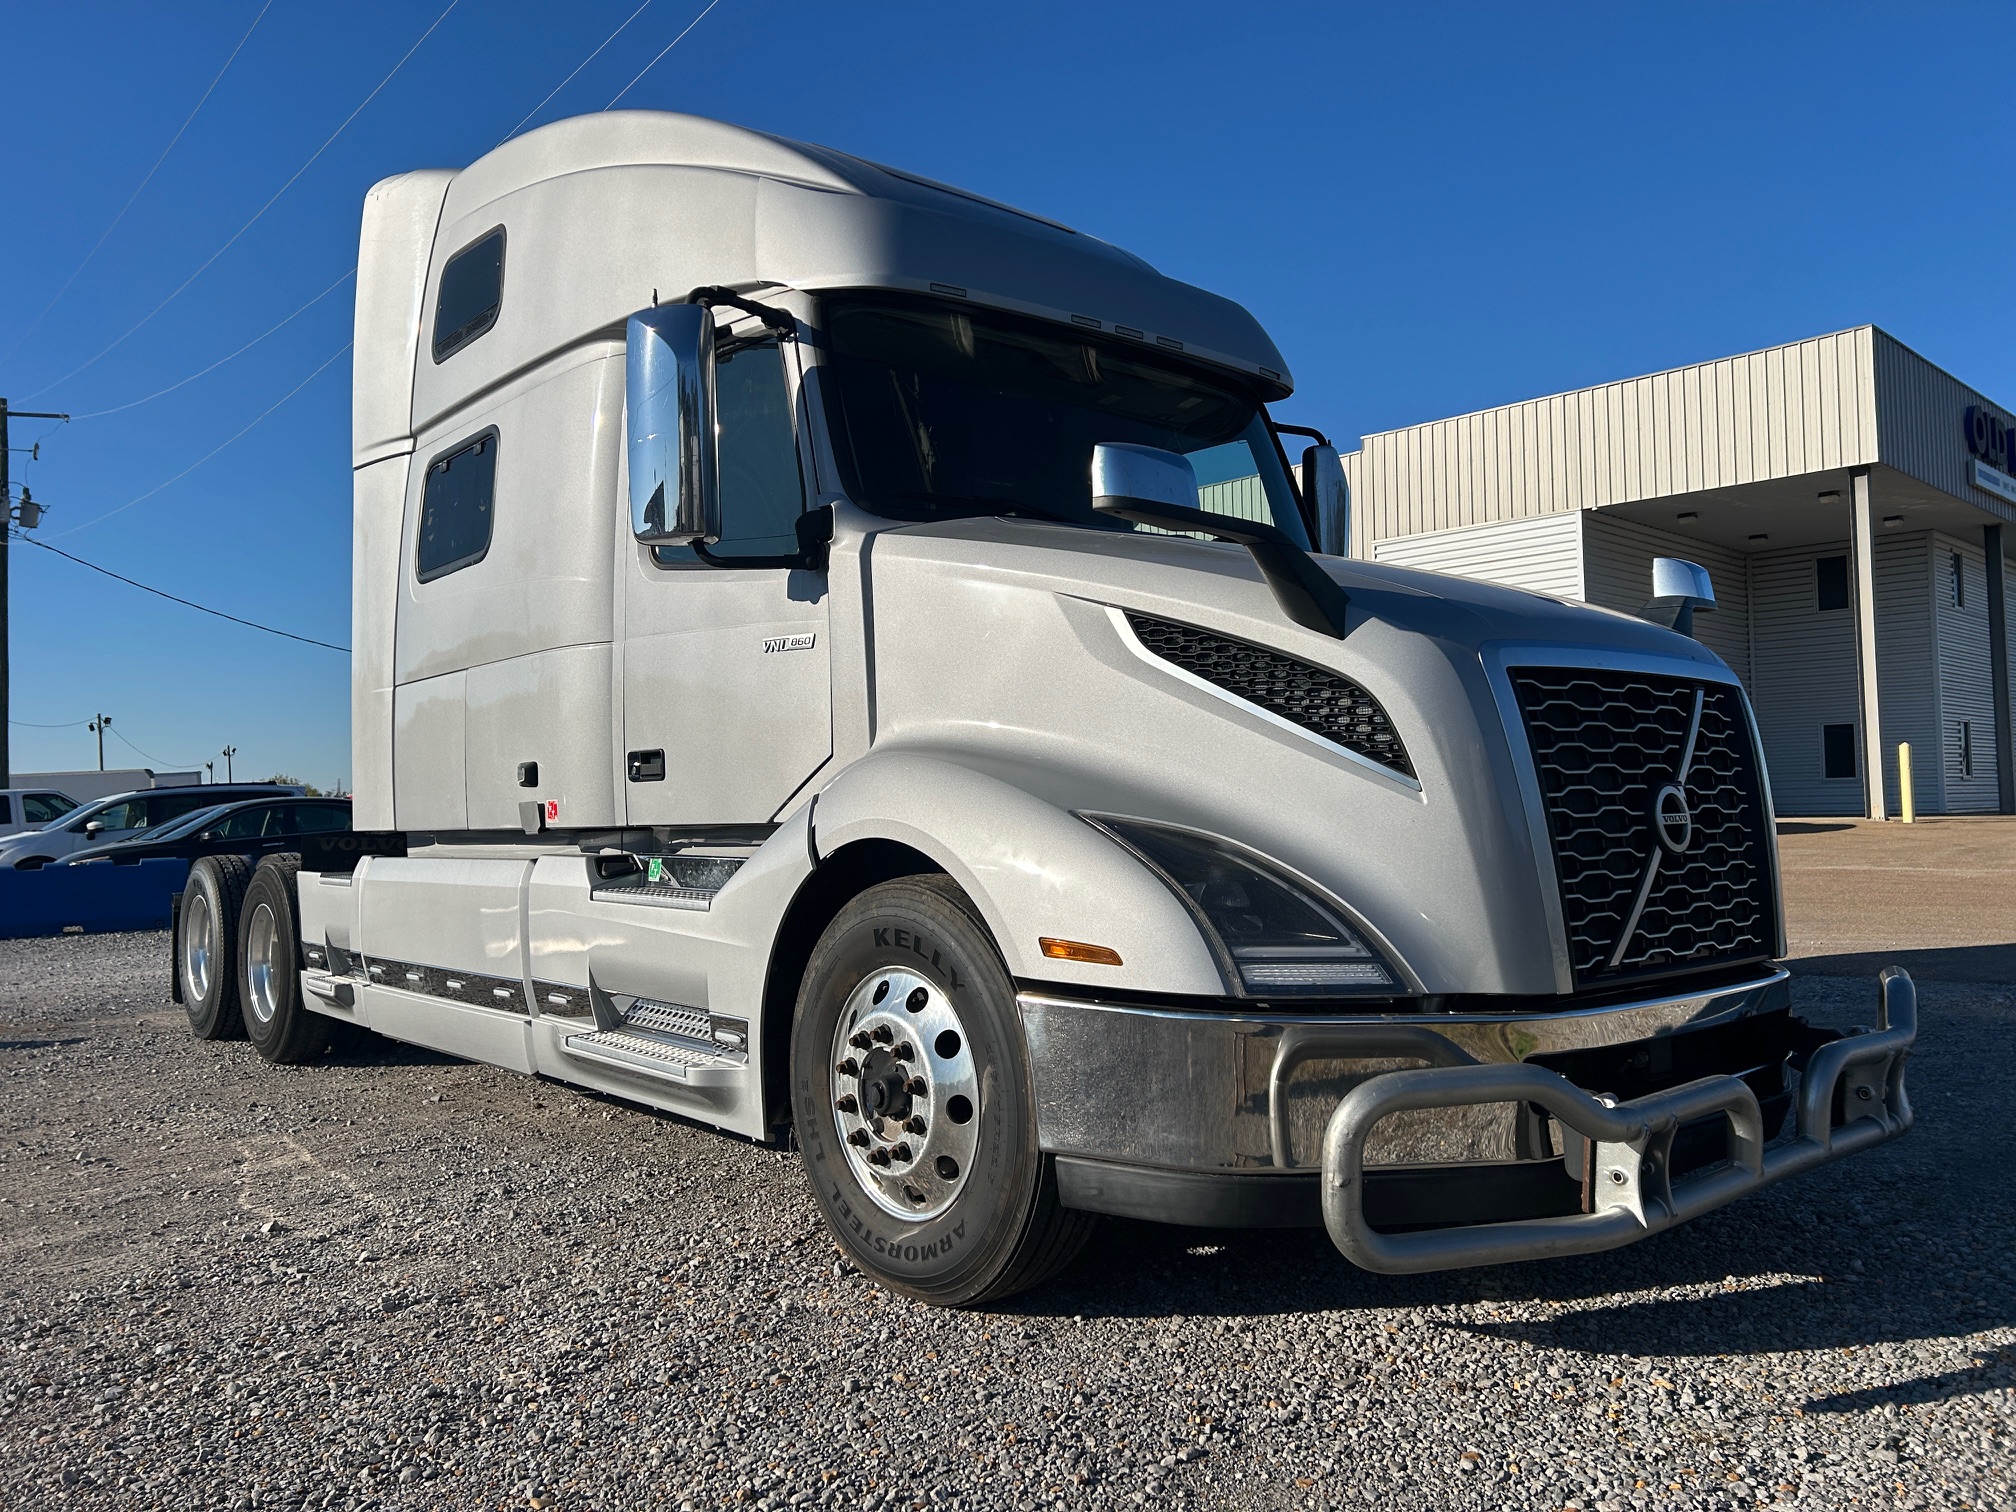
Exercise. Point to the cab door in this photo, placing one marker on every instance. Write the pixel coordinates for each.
(725, 681)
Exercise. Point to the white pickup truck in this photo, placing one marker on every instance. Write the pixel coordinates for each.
(853, 664)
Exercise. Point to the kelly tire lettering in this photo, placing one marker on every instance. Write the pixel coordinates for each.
(997, 1229)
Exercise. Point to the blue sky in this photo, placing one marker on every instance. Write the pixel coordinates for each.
(1433, 209)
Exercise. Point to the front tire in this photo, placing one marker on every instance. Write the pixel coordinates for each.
(912, 1102)
(281, 1027)
(206, 945)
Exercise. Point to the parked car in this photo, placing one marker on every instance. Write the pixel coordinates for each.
(31, 808)
(255, 828)
(123, 816)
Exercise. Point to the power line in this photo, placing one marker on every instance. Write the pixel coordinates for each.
(570, 78)
(232, 240)
(134, 404)
(143, 498)
(58, 295)
(173, 598)
(652, 64)
(118, 735)
(68, 724)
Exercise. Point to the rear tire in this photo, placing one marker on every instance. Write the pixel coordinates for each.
(206, 945)
(281, 1027)
(923, 1158)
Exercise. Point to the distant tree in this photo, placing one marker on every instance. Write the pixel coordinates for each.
(307, 787)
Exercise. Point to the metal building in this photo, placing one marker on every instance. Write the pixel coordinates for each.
(1849, 499)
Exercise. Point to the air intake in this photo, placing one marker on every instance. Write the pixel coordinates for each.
(1319, 700)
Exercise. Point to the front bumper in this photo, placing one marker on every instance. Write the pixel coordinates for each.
(1206, 1118)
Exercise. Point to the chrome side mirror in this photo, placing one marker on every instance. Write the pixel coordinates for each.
(1678, 589)
(1323, 477)
(1143, 475)
(668, 396)
(94, 827)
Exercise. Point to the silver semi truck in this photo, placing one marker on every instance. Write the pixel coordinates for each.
(854, 664)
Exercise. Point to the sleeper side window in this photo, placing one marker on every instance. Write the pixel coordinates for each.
(471, 293)
(762, 490)
(456, 508)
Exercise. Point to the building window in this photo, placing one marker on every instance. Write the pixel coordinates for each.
(455, 508)
(471, 293)
(1957, 567)
(1830, 583)
(1837, 751)
(1966, 748)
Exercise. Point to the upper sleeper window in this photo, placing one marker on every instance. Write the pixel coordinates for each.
(472, 288)
(456, 508)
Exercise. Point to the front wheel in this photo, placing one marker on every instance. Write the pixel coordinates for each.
(911, 1098)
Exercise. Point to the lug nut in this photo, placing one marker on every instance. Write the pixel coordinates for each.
(858, 1138)
(878, 1156)
(847, 1104)
(916, 1086)
(849, 1067)
(905, 1051)
(883, 1034)
(902, 1151)
(915, 1125)
(860, 1041)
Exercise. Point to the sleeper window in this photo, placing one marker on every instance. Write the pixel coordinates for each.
(762, 492)
(456, 508)
(471, 293)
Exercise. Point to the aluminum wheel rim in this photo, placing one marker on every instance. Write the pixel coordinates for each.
(909, 1122)
(198, 924)
(260, 938)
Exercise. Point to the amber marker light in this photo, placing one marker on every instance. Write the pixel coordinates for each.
(1078, 950)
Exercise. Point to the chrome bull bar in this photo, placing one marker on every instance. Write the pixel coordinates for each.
(1634, 1191)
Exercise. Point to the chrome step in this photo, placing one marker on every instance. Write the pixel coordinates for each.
(655, 1054)
(687, 882)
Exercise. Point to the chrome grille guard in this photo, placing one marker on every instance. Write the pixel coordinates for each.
(1635, 1195)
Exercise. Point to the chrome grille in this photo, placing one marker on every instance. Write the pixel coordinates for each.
(1323, 702)
(1604, 745)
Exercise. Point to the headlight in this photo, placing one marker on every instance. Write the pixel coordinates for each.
(1272, 931)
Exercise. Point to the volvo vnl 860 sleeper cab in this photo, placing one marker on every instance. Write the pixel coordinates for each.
(852, 663)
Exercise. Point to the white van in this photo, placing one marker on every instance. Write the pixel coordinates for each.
(31, 808)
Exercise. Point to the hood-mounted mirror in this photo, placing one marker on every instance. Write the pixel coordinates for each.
(1678, 589)
(1149, 486)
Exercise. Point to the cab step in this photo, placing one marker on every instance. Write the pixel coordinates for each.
(665, 1039)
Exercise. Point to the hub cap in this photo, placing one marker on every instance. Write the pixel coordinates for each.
(260, 937)
(905, 1093)
(197, 928)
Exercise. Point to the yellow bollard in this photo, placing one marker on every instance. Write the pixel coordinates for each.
(1910, 809)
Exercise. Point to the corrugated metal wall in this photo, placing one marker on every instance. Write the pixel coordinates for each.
(1922, 409)
(1964, 691)
(1907, 669)
(1541, 555)
(1802, 676)
(1243, 498)
(1617, 574)
(1777, 413)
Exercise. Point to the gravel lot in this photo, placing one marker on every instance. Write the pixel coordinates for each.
(396, 1280)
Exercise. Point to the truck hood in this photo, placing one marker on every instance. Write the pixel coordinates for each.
(1005, 645)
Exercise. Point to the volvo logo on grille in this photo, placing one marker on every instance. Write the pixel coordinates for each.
(1672, 822)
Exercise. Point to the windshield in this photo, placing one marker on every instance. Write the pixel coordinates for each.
(939, 412)
(187, 824)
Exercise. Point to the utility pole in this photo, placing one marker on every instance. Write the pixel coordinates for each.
(29, 515)
(209, 771)
(227, 753)
(98, 725)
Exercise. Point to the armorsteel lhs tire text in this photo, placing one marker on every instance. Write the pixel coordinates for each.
(279, 1024)
(911, 1098)
(206, 945)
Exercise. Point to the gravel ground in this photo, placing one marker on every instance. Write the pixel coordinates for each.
(396, 1280)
